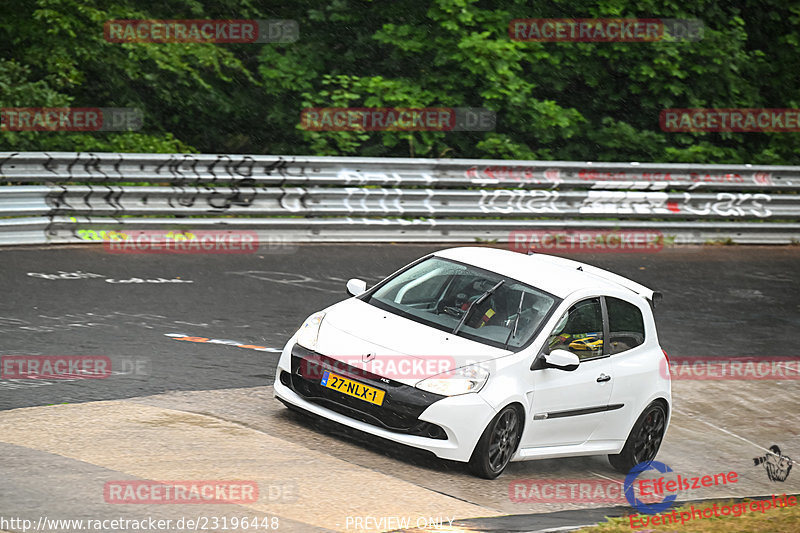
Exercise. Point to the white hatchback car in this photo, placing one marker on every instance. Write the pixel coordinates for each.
(487, 356)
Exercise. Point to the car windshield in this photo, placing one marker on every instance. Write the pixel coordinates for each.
(465, 300)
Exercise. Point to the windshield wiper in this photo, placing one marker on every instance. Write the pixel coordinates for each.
(479, 300)
(513, 333)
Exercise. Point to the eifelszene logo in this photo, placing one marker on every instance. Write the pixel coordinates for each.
(666, 488)
(630, 480)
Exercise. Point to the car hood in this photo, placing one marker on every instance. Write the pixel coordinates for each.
(353, 329)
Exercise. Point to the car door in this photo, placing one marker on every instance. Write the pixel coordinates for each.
(637, 365)
(566, 407)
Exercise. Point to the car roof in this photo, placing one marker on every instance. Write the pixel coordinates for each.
(556, 275)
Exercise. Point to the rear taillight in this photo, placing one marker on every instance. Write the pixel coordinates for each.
(665, 366)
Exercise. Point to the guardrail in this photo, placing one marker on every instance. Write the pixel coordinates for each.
(74, 197)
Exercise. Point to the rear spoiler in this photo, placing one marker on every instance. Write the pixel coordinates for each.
(648, 294)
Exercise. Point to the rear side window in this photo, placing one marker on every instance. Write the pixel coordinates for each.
(625, 325)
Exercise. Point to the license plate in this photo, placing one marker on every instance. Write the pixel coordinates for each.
(352, 388)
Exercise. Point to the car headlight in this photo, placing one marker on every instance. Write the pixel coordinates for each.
(462, 380)
(309, 331)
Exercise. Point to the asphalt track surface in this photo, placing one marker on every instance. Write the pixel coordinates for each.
(196, 410)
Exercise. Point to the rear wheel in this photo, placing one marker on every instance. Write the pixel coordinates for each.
(644, 441)
(496, 445)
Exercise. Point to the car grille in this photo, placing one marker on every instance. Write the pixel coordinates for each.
(402, 404)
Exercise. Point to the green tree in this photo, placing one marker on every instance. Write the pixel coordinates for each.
(569, 101)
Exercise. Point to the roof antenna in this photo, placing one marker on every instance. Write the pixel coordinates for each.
(580, 268)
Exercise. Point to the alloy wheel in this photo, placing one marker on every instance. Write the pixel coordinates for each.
(648, 439)
(503, 441)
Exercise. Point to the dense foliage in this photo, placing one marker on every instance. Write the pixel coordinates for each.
(564, 101)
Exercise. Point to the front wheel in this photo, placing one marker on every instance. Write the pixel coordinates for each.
(496, 445)
(644, 441)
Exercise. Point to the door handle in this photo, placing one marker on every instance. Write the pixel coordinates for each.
(603, 377)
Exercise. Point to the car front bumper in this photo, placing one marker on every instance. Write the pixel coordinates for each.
(459, 420)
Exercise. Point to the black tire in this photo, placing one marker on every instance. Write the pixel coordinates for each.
(644, 441)
(497, 444)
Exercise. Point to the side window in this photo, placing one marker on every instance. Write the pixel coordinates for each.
(625, 325)
(580, 330)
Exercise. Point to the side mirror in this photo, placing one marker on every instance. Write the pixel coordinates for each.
(356, 287)
(561, 359)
